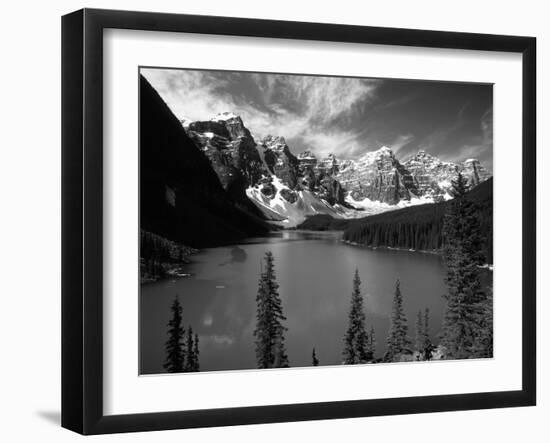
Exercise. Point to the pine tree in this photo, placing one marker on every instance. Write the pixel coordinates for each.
(190, 360)
(427, 343)
(263, 326)
(280, 359)
(355, 340)
(371, 344)
(175, 354)
(397, 342)
(196, 367)
(483, 341)
(462, 255)
(314, 359)
(269, 332)
(419, 338)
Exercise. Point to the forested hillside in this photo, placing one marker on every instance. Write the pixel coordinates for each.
(415, 227)
(160, 257)
(421, 227)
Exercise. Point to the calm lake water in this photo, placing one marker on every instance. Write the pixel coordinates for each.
(314, 271)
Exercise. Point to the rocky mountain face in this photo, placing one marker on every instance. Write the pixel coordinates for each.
(380, 176)
(286, 187)
(475, 172)
(377, 176)
(231, 150)
(433, 177)
(282, 186)
(279, 160)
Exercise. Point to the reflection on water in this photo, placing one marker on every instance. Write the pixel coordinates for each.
(238, 254)
(314, 271)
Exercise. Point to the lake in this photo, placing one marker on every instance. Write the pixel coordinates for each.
(314, 271)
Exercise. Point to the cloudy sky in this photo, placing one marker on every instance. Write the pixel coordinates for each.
(344, 116)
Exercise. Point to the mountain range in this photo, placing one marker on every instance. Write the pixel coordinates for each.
(286, 188)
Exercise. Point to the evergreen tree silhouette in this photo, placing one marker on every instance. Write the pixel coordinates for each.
(175, 354)
(190, 361)
(314, 359)
(465, 297)
(269, 332)
(355, 339)
(397, 342)
(483, 340)
(371, 344)
(427, 343)
(196, 354)
(419, 337)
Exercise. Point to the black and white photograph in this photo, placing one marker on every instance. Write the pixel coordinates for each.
(296, 220)
(268, 222)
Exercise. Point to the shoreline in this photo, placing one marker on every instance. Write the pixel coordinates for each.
(173, 271)
(486, 266)
(391, 248)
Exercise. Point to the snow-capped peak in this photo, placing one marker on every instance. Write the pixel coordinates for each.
(224, 116)
(373, 156)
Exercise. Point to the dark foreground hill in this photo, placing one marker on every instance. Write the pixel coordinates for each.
(415, 227)
(181, 197)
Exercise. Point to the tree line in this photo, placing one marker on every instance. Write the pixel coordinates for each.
(158, 255)
(419, 227)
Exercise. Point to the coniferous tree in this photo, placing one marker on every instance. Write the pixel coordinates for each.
(263, 326)
(314, 359)
(280, 359)
(196, 367)
(483, 341)
(427, 343)
(397, 342)
(269, 332)
(465, 296)
(371, 344)
(190, 360)
(175, 354)
(355, 340)
(419, 337)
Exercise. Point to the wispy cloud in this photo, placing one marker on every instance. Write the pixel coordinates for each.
(399, 101)
(190, 94)
(481, 147)
(401, 141)
(345, 116)
(313, 110)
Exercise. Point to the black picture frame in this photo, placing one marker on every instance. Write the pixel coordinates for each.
(82, 220)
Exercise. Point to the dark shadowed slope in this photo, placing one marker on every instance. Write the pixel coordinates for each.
(181, 197)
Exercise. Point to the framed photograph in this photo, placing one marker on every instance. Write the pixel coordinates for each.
(270, 221)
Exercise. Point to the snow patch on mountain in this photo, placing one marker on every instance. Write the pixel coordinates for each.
(224, 116)
(291, 214)
(376, 207)
(287, 187)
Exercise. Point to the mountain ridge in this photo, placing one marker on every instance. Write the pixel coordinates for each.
(287, 187)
